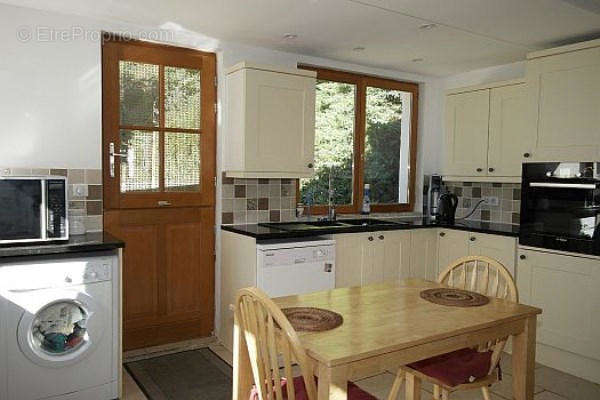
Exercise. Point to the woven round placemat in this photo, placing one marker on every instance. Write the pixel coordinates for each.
(311, 319)
(454, 297)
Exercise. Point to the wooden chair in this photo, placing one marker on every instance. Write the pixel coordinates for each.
(478, 274)
(270, 338)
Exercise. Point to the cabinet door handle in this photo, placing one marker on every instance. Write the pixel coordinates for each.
(479, 169)
(310, 165)
(381, 237)
(522, 256)
(491, 169)
(442, 234)
(371, 238)
(527, 155)
(472, 238)
(328, 267)
(164, 203)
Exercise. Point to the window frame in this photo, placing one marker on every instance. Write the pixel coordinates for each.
(363, 81)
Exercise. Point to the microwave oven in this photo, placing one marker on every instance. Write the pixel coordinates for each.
(33, 209)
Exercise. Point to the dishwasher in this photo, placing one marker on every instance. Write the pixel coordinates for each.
(295, 267)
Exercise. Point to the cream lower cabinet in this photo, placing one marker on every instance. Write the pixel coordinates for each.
(369, 258)
(564, 93)
(566, 288)
(424, 254)
(456, 244)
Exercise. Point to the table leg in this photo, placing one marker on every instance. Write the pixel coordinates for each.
(523, 361)
(242, 370)
(413, 387)
(333, 383)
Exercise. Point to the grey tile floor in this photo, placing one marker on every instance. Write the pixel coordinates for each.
(550, 384)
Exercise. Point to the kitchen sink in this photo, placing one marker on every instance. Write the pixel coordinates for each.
(367, 222)
(306, 226)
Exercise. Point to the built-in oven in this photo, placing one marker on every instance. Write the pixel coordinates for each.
(560, 206)
(33, 209)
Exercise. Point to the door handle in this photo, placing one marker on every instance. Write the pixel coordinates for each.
(111, 158)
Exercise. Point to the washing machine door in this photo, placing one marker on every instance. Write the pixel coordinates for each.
(60, 327)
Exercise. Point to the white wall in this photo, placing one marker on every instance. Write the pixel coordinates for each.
(50, 102)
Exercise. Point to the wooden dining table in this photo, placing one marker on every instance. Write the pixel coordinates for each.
(389, 325)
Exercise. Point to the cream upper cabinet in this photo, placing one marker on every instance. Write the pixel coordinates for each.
(424, 254)
(271, 122)
(564, 94)
(451, 246)
(566, 289)
(509, 142)
(467, 119)
(487, 133)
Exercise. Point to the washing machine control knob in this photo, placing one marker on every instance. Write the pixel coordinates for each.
(68, 279)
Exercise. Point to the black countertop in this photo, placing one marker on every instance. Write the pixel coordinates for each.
(268, 232)
(93, 241)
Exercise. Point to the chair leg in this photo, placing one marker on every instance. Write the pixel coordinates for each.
(396, 386)
(445, 394)
(436, 392)
(413, 387)
(486, 393)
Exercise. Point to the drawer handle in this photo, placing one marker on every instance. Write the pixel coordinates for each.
(527, 155)
(381, 237)
(479, 169)
(472, 238)
(442, 234)
(371, 238)
(491, 169)
(522, 256)
(164, 203)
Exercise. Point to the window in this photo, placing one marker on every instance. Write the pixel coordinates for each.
(365, 132)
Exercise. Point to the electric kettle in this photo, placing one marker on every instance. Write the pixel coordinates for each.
(447, 207)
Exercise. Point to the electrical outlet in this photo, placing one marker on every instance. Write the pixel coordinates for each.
(79, 190)
(491, 201)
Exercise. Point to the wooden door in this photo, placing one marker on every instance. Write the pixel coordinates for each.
(509, 138)
(280, 122)
(467, 117)
(396, 254)
(159, 193)
(452, 245)
(566, 288)
(565, 93)
(424, 254)
(500, 248)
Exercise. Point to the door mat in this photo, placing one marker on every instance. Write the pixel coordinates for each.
(196, 374)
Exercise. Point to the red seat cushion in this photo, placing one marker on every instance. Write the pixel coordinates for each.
(457, 367)
(354, 392)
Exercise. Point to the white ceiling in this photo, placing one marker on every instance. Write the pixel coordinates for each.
(470, 34)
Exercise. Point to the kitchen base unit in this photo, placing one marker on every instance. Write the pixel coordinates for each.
(566, 287)
(279, 267)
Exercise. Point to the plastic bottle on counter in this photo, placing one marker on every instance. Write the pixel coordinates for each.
(366, 206)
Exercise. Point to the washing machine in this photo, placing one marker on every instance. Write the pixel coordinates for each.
(59, 325)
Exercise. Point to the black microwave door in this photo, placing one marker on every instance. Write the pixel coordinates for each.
(20, 209)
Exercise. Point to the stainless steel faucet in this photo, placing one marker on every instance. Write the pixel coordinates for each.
(331, 214)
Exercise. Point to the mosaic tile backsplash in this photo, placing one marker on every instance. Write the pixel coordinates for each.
(248, 201)
(90, 205)
(470, 193)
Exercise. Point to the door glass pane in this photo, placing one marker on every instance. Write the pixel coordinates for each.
(387, 148)
(140, 170)
(182, 98)
(334, 143)
(182, 162)
(59, 328)
(139, 100)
